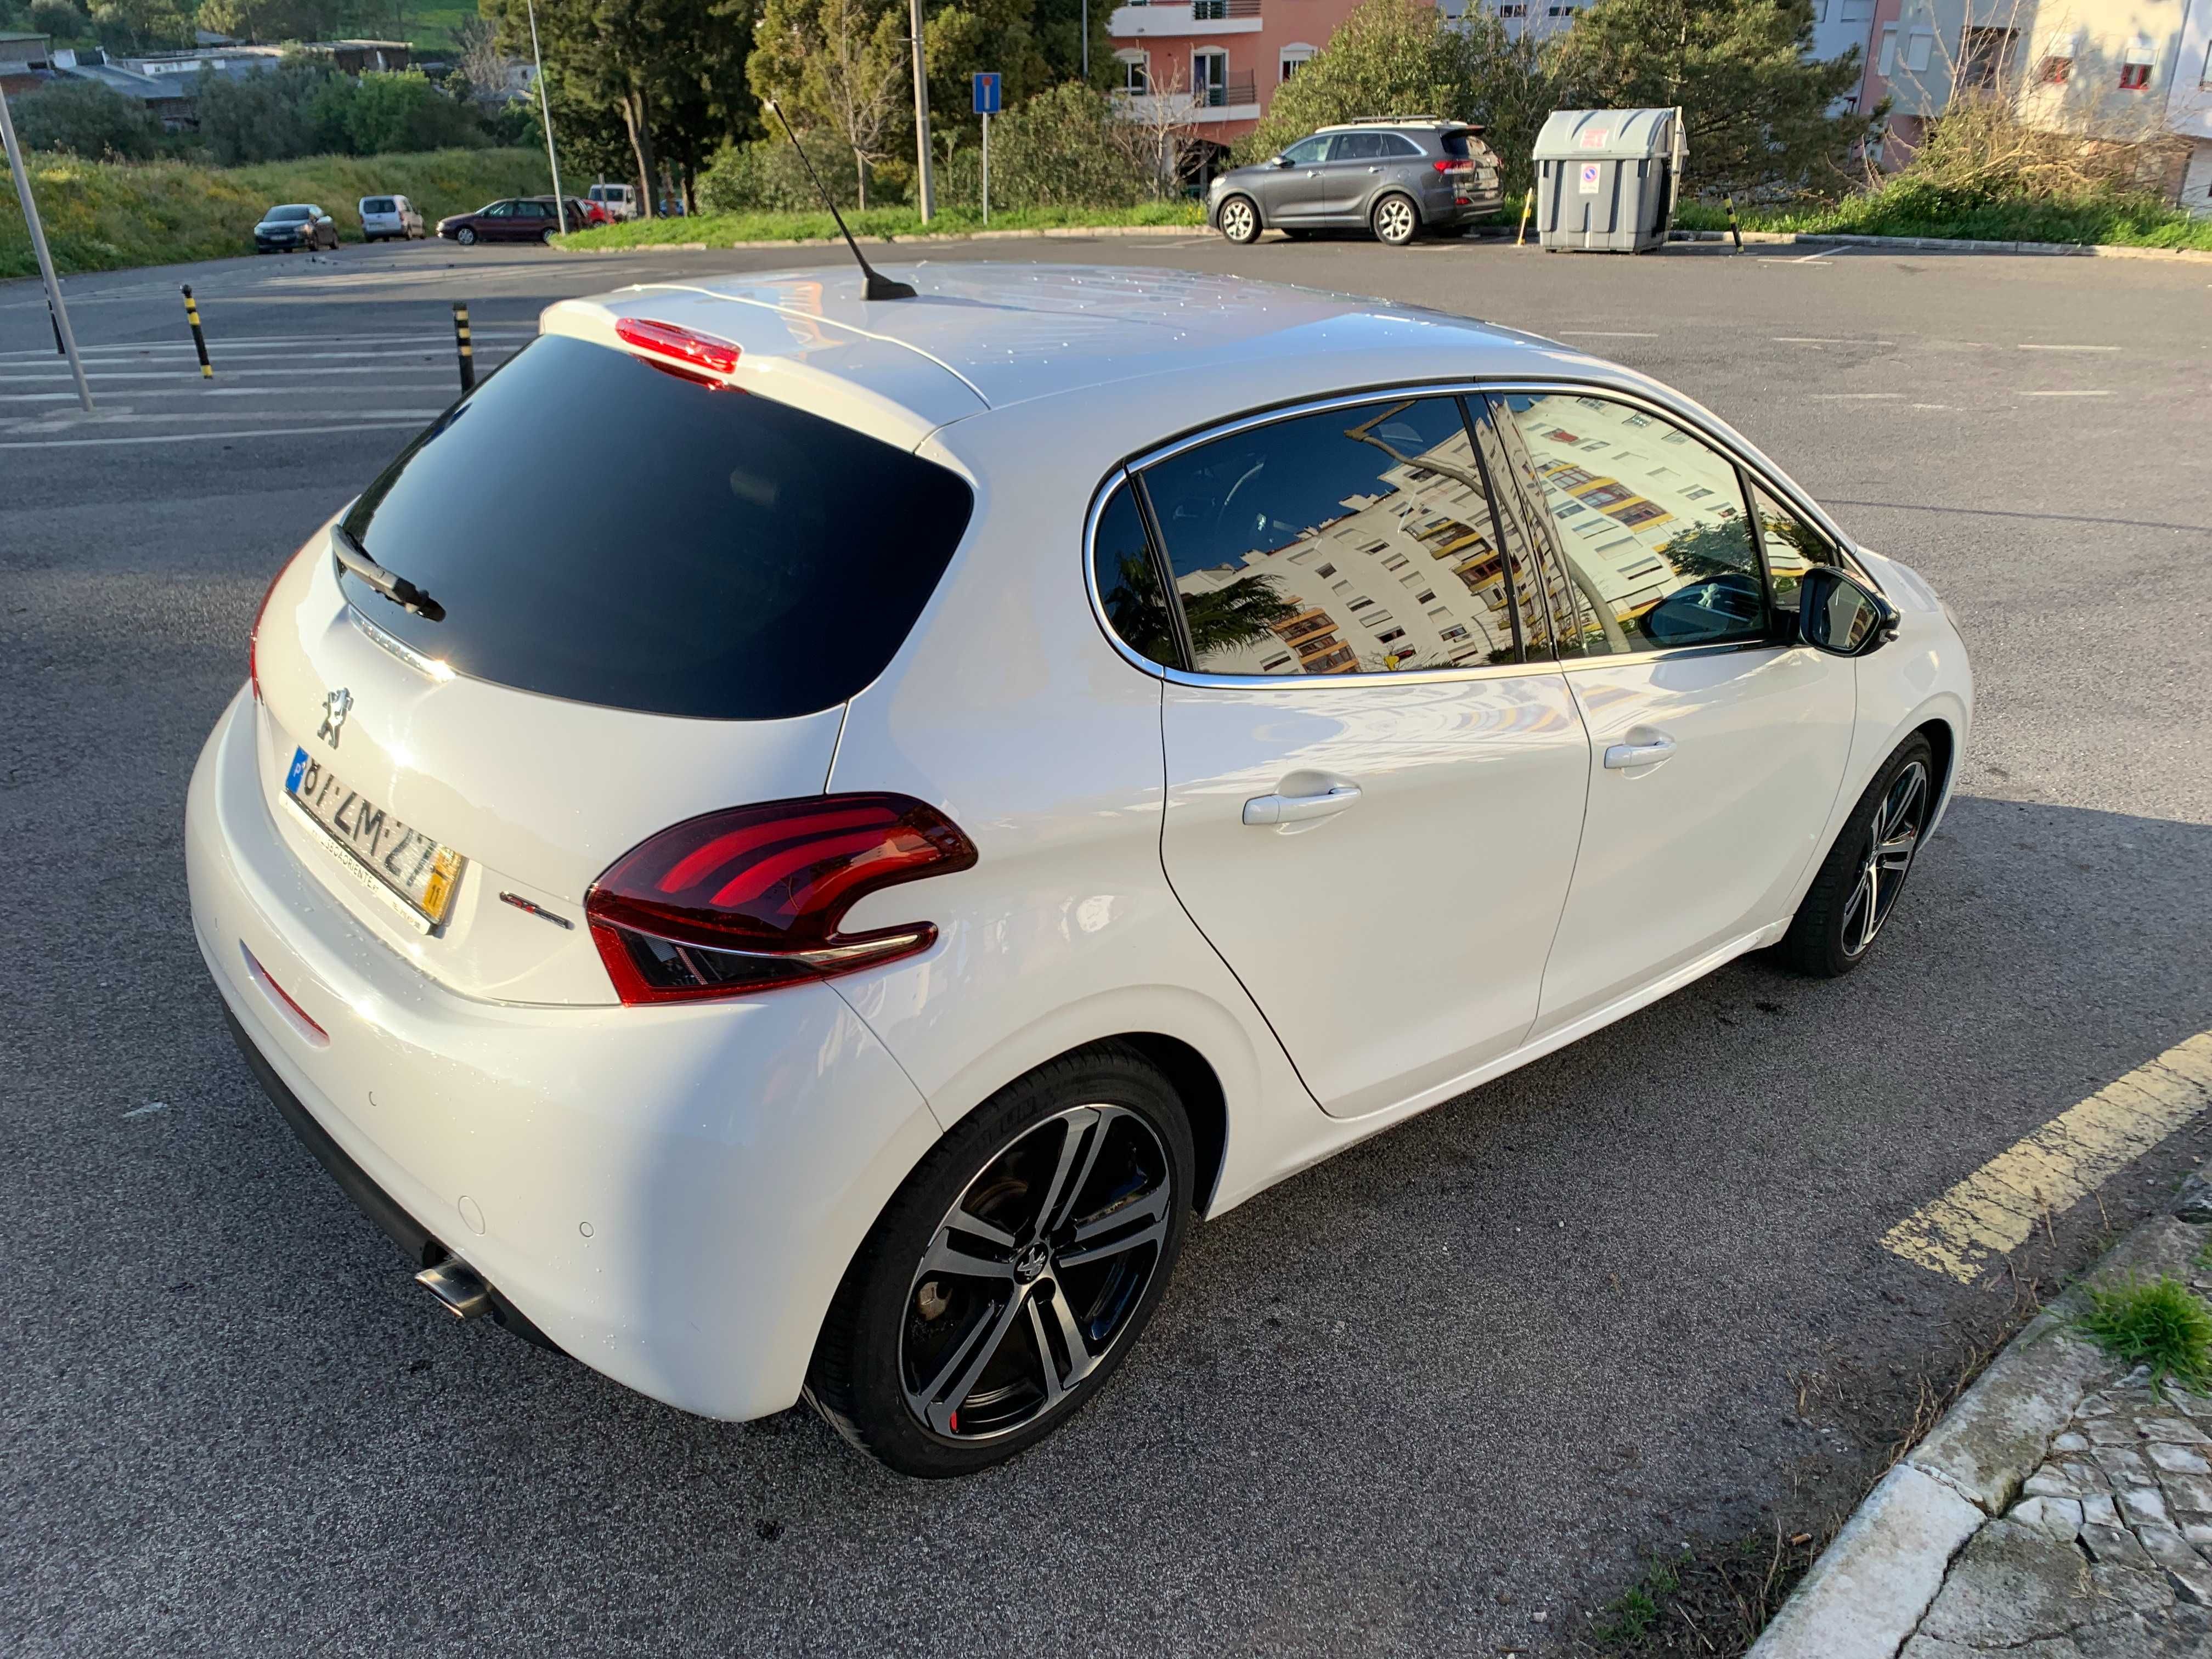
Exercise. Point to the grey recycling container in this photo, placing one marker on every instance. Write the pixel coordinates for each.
(1606, 178)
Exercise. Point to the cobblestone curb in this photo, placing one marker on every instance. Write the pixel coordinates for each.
(1949, 244)
(2058, 1509)
(1077, 231)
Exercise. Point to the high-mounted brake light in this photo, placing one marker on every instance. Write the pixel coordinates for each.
(752, 898)
(682, 344)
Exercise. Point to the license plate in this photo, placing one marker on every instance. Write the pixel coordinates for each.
(420, 870)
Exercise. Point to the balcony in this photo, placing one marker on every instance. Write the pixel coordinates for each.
(1234, 98)
(1184, 17)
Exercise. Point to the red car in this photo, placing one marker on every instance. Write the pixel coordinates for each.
(520, 219)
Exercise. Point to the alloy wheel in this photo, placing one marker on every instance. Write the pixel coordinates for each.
(1395, 220)
(1239, 223)
(1892, 839)
(1036, 1272)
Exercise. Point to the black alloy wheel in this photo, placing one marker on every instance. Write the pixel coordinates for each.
(1012, 1271)
(1856, 892)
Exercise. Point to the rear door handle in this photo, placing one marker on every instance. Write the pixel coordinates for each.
(1621, 756)
(1292, 809)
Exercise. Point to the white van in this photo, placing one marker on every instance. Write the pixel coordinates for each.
(390, 217)
(619, 200)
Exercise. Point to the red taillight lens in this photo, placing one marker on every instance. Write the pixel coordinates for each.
(1448, 165)
(750, 899)
(254, 638)
(681, 344)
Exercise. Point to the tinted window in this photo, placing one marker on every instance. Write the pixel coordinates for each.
(286, 214)
(379, 204)
(500, 211)
(1357, 540)
(1127, 586)
(1307, 151)
(1455, 144)
(755, 563)
(1649, 521)
(1359, 147)
(1396, 144)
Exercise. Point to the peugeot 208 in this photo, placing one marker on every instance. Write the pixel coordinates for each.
(822, 920)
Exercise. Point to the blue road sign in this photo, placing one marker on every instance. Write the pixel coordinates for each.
(986, 91)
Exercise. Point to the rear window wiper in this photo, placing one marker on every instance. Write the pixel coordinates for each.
(394, 587)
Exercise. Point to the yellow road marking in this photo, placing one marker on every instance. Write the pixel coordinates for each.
(1996, 1208)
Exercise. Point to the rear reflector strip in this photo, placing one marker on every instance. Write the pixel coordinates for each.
(294, 1015)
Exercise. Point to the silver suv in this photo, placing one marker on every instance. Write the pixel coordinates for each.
(1397, 177)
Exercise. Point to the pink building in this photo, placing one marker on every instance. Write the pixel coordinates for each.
(1221, 59)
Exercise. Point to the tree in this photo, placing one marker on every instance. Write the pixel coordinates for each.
(1404, 55)
(1758, 109)
(140, 25)
(86, 118)
(839, 66)
(266, 116)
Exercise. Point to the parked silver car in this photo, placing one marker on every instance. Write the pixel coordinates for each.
(1397, 177)
(392, 217)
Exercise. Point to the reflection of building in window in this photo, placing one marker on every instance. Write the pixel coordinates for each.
(1354, 564)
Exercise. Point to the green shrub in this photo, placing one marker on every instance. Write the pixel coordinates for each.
(766, 176)
(2160, 1323)
(84, 118)
(1065, 147)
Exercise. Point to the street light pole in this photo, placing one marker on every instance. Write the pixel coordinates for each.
(1086, 41)
(545, 109)
(925, 184)
(15, 149)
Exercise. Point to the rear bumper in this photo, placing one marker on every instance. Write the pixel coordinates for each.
(669, 1195)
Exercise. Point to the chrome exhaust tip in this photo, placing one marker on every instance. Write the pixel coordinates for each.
(459, 1291)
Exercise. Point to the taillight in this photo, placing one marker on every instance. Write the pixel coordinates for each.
(683, 345)
(1452, 165)
(752, 898)
(254, 638)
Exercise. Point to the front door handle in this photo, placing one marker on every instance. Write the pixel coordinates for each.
(1375, 169)
(1656, 746)
(1293, 809)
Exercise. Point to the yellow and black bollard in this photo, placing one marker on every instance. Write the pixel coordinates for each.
(199, 340)
(1527, 206)
(1733, 230)
(461, 342)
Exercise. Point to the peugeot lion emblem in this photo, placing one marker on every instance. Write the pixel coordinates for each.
(335, 706)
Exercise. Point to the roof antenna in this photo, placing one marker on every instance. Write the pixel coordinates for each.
(880, 287)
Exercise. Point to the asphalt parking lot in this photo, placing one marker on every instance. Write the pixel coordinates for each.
(1441, 1395)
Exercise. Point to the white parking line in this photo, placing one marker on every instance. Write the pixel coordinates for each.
(2067, 348)
(215, 341)
(2069, 394)
(1603, 334)
(210, 437)
(1815, 339)
(412, 386)
(1854, 396)
(182, 374)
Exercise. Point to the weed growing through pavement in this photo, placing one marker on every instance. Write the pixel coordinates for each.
(2159, 1322)
(1711, 1600)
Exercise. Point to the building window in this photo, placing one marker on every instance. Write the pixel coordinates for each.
(1512, 9)
(1918, 45)
(1295, 57)
(2054, 70)
(1136, 72)
(2135, 65)
(1885, 64)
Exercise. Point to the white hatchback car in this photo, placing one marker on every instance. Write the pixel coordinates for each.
(1026, 765)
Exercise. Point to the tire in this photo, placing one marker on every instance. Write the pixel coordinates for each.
(1856, 892)
(1394, 220)
(1096, 1146)
(1239, 220)
(545, 239)
(466, 236)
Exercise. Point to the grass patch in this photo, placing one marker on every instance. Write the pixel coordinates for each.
(2159, 1322)
(1902, 208)
(102, 215)
(1708, 1600)
(720, 229)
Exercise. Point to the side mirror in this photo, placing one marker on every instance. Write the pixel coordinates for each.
(1840, 615)
(1279, 161)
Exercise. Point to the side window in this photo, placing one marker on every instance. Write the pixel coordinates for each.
(1357, 147)
(1128, 587)
(1396, 144)
(1791, 545)
(1355, 541)
(1307, 152)
(1650, 524)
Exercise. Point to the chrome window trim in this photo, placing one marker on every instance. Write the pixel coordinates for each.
(1123, 475)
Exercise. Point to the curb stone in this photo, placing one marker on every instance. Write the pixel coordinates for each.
(1871, 1587)
(1949, 244)
(1077, 231)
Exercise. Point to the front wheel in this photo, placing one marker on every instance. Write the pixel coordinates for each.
(1858, 887)
(466, 236)
(1013, 1271)
(545, 239)
(1239, 220)
(1395, 219)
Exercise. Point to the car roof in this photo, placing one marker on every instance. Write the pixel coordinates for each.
(1437, 121)
(1158, 350)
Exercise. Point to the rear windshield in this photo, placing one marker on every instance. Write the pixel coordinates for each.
(736, 558)
(1455, 143)
(378, 204)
